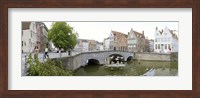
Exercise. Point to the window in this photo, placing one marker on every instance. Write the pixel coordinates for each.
(165, 46)
(22, 33)
(169, 47)
(158, 39)
(158, 46)
(161, 39)
(22, 43)
(31, 34)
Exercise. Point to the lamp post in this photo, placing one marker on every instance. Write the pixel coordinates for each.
(70, 47)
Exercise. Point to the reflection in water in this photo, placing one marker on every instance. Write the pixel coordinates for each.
(91, 68)
(144, 68)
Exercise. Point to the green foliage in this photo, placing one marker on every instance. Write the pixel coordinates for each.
(62, 35)
(30, 59)
(48, 68)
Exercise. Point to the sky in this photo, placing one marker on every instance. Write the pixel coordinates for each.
(100, 30)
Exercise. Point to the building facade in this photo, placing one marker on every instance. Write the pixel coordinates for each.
(151, 45)
(136, 41)
(29, 36)
(82, 45)
(99, 46)
(42, 43)
(166, 41)
(92, 45)
(118, 41)
(34, 34)
(106, 43)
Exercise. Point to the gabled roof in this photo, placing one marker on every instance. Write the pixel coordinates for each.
(161, 32)
(138, 34)
(116, 33)
(173, 34)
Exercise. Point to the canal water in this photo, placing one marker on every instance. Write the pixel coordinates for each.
(144, 68)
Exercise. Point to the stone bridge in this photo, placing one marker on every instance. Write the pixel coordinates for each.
(76, 61)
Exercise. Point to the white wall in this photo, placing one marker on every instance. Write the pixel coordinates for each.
(85, 47)
(164, 39)
(101, 48)
(107, 44)
(29, 38)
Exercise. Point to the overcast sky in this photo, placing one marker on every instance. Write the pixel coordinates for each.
(100, 30)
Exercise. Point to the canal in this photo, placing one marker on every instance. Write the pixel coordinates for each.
(144, 68)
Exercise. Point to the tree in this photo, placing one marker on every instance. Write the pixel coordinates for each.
(62, 35)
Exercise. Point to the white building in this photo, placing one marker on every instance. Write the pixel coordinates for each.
(82, 45)
(166, 41)
(106, 44)
(29, 36)
(85, 45)
(78, 46)
(99, 46)
(34, 34)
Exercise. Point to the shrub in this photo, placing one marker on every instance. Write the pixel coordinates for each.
(47, 68)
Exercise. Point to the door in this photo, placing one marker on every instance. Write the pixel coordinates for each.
(162, 48)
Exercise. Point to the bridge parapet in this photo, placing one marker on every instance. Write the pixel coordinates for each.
(76, 61)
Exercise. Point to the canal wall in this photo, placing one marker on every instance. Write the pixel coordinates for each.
(152, 57)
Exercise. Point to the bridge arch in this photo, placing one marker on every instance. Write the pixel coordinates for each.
(88, 60)
(93, 62)
(115, 58)
(130, 58)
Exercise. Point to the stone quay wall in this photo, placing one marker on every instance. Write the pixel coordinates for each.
(156, 56)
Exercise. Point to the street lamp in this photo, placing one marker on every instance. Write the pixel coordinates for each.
(70, 47)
